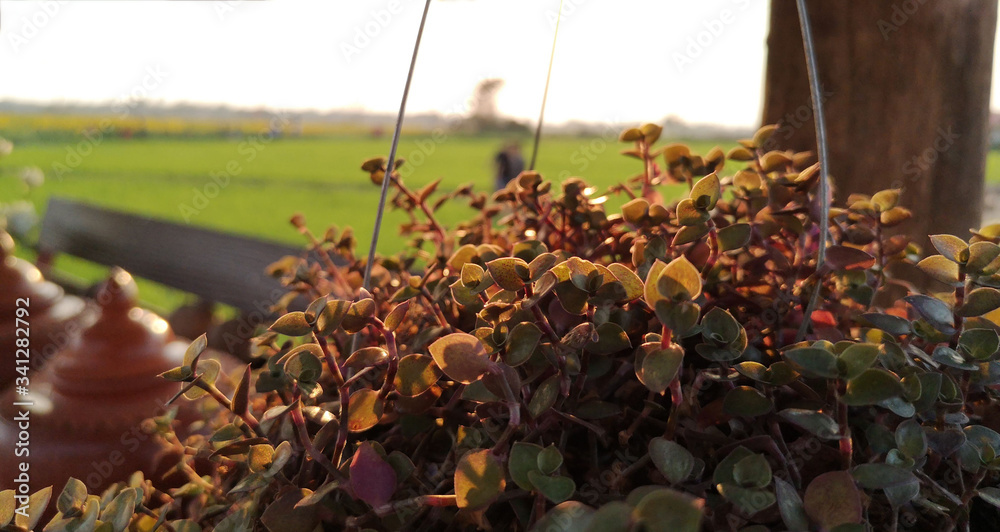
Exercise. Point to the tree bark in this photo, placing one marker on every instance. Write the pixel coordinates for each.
(906, 88)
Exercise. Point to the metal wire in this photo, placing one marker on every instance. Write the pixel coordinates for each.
(545, 94)
(392, 152)
(824, 157)
(389, 165)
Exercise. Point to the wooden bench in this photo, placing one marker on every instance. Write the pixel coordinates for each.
(215, 266)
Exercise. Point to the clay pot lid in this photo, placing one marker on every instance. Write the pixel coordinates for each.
(20, 279)
(121, 351)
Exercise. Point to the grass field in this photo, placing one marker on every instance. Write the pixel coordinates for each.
(252, 186)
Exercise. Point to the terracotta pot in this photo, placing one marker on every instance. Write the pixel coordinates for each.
(52, 317)
(87, 404)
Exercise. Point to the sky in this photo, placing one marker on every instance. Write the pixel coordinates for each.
(615, 61)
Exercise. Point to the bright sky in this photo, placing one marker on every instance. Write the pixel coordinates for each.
(621, 60)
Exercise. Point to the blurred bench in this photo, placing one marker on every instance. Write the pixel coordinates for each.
(219, 267)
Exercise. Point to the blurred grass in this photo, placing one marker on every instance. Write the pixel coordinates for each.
(267, 182)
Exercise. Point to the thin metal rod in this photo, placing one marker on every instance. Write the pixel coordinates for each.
(824, 157)
(392, 152)
(389, 165)
(545, 95)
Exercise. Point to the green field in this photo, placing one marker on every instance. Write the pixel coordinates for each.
(253, 187)
(258, 185)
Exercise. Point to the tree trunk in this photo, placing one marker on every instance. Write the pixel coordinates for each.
(906, 88)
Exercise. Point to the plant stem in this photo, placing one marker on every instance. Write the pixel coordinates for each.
(303, 434)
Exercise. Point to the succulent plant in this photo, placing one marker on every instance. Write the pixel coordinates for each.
(550, 365)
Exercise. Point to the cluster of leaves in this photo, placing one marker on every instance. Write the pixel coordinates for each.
(550, 365)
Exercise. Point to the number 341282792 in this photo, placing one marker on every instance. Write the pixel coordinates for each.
(22, 339)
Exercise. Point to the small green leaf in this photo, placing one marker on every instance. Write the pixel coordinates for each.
(659, 367)
(814, 362)
(706, 192)
(848, 258)
(71, 499)
(195, 350)
(178, 374)
(951, 247)
(666, 509)
(331, 316)
(816, 423)
(8, 506)
(359, 315)
(893, 325)
(734, 236)
(292, 324)
(208, 370)
(688, 214)
(549, 460)
(367, 357)
(752, 471)
(304, 365)
(940, 268)
(935, 311)
(832, 499)
(980, 344)
(521, 343)
(635, 211)
(544, 397)
(415, 375)
(871, 387)
(886, 199)
(951, 358)
(679, 317)
(720, 327)
(793, 513)
(690, 233)
(479, 479)
(979, 302)
(461, 356)
(857, 358)
(746, 401)
(611, 339)
(37, 503)
(555, 489)
(523, 459)
(119, 511)
(628, 278)
(672, 460)
(395, 318)
(877, 476)
(911, 440)
(364, 410)
(679, 280)
(981, 256)
(615, 516)
(990, 495)
(509, 273)
(570, 516)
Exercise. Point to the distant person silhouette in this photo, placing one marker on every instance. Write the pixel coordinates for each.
(509, 164)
